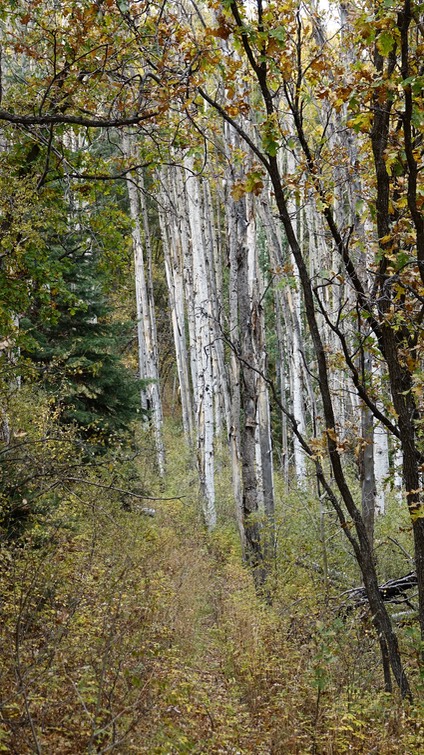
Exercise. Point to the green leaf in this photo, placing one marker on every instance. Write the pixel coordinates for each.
(279, 33)
(385, 43)
(361, 122)
(270, 135)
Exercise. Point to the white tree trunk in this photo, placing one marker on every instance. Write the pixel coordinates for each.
(204, 347)
(293, 296)
(151, 343)
(234, 338)
(221, 391)
(264, 460)
(174, 245)
(381, 466)
(291, 350)
(397, 473)
(146, 331)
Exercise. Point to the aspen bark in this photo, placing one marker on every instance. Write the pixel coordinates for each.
(204, 345)
(360, 543)
(233, 400)
(234, 367)
(381, 466)
(247, 317)
(151, 342)
(264, 451)
(296, 372)
(293, 348)
(146, 326)
(221, 392)
(174, 240)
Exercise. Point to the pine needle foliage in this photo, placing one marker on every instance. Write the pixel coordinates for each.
(78, 360)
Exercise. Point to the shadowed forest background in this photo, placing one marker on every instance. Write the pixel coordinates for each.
(211, 388)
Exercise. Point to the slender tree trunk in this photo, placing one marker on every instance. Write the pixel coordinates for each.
(295, 349)
(204, 344)
(221, 390)
(363, 550)
(367, 476)
(393, 342)
(281, 374)
(367, 473)
(360, 541)
(293, 296)
(247, 318)
(232, 221)
(146, 328)
(152, 352)
(381, 466)
(173, 243)
(264, 452)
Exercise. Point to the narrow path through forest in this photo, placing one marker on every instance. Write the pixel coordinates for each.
(142, 634)
(238, 677)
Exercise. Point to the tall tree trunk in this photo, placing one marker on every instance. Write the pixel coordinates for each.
(293, 297)
(363, 549)
(232, 224)
(247, 317)
(395, 341)
(381, 466)
(367, 466)
(264, 452)
(173, 244)
(294, 345)
(204, 344)
(152, 352)
(221, 392)
(361, 545)
(294, 93)
(282, 382)
(146, 328)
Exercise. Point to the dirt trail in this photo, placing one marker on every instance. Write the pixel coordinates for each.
(201, 709)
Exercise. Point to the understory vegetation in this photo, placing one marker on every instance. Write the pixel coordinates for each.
(129, 632)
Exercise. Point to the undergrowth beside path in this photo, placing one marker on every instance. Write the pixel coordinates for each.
(132, 634)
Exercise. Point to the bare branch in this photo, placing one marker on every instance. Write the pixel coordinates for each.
(75, 120)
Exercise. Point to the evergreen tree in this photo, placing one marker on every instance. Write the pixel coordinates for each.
(76, 354)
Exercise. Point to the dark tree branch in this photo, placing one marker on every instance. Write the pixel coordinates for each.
(75, 120)
(246, 138)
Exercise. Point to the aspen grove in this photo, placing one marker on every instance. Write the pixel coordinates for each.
(212, 391)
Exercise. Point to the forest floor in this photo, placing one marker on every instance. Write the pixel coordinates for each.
(134, 634)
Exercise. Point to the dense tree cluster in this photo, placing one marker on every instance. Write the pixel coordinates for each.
(261, 163)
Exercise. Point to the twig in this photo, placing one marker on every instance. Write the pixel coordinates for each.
(404, 551)
(121, 490)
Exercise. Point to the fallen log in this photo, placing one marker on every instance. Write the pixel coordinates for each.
(393, 591)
